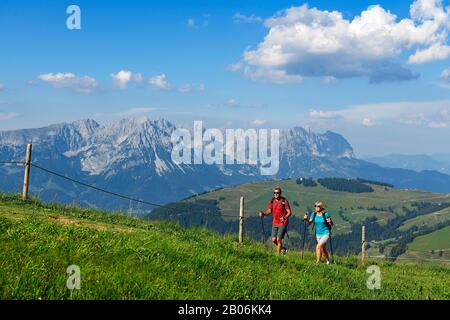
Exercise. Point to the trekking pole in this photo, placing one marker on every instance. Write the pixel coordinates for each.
(263, 230)
(331, 247)
(286, 244)
(304, 237)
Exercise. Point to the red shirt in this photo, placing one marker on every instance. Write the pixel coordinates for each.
(276, 206)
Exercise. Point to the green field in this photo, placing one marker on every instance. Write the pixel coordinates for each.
(128, 258)
(439, 239)
(355, 206)
(434, 247)
(428, 219)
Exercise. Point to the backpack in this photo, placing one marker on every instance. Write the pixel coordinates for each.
(283, 203)
(324, 220)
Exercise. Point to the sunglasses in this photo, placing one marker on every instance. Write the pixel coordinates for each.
(277, 192)
(317, 206)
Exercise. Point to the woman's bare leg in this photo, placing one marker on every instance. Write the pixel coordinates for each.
(318, 253)
(325, 252)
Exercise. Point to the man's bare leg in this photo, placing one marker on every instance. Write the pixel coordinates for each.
(275, 242)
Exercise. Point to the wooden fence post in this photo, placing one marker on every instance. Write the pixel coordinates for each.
(26, 176)
(363, 243)
(241, 221)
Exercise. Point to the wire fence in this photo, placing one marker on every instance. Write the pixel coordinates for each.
(115, 194)
(264, 227)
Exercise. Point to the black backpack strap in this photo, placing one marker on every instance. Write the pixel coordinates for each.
(283, 203)
(325, 221)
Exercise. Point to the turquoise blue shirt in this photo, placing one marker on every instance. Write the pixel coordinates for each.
(321, 227)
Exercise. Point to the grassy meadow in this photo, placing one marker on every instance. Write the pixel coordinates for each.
(122, 257)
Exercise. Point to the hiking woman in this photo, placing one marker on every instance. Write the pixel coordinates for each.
(323, 223)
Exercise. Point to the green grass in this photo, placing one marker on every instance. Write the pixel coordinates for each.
(129, 258)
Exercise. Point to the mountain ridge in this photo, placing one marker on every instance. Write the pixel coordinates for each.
(133, 156)
(418, 162)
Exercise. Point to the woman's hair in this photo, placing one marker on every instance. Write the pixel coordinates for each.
(320, 205)
(277, 188)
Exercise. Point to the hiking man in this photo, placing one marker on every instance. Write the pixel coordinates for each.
(281, 210)
(323, 223)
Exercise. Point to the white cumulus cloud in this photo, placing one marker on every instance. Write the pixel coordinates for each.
(159, 81)
(436, 51)
(122, 78)
(308, 42)
(69, 80)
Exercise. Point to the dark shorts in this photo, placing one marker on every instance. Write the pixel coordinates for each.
(279, 231)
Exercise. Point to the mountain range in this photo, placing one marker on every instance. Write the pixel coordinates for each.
(133, 157)
(418, 162)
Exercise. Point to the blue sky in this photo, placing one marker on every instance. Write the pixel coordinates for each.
(228, 63)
